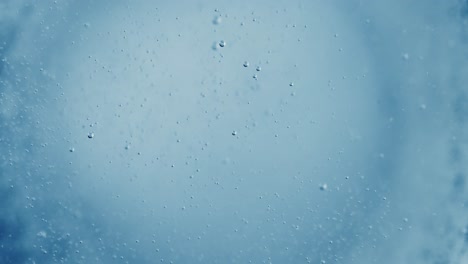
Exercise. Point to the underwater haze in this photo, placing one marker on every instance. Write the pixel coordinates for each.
(268, 131)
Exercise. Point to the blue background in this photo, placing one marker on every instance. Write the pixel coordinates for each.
(128, 134)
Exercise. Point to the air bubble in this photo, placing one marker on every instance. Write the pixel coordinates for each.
(217, 20)
(259, 68)
(246, 64)
(222, 43)
(323, 187)
(41, 234)
(90, 135)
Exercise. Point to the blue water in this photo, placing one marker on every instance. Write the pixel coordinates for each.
(233, 131)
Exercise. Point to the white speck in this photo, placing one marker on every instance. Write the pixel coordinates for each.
(405, 56)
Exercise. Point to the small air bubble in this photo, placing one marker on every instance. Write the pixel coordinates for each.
(291, 84)
(246, 64)
(259, 68)
(323, 187)
(234, 133)
(222, 43)
(72, 150)
(41, 234)
(90, 135)
(217, 20)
